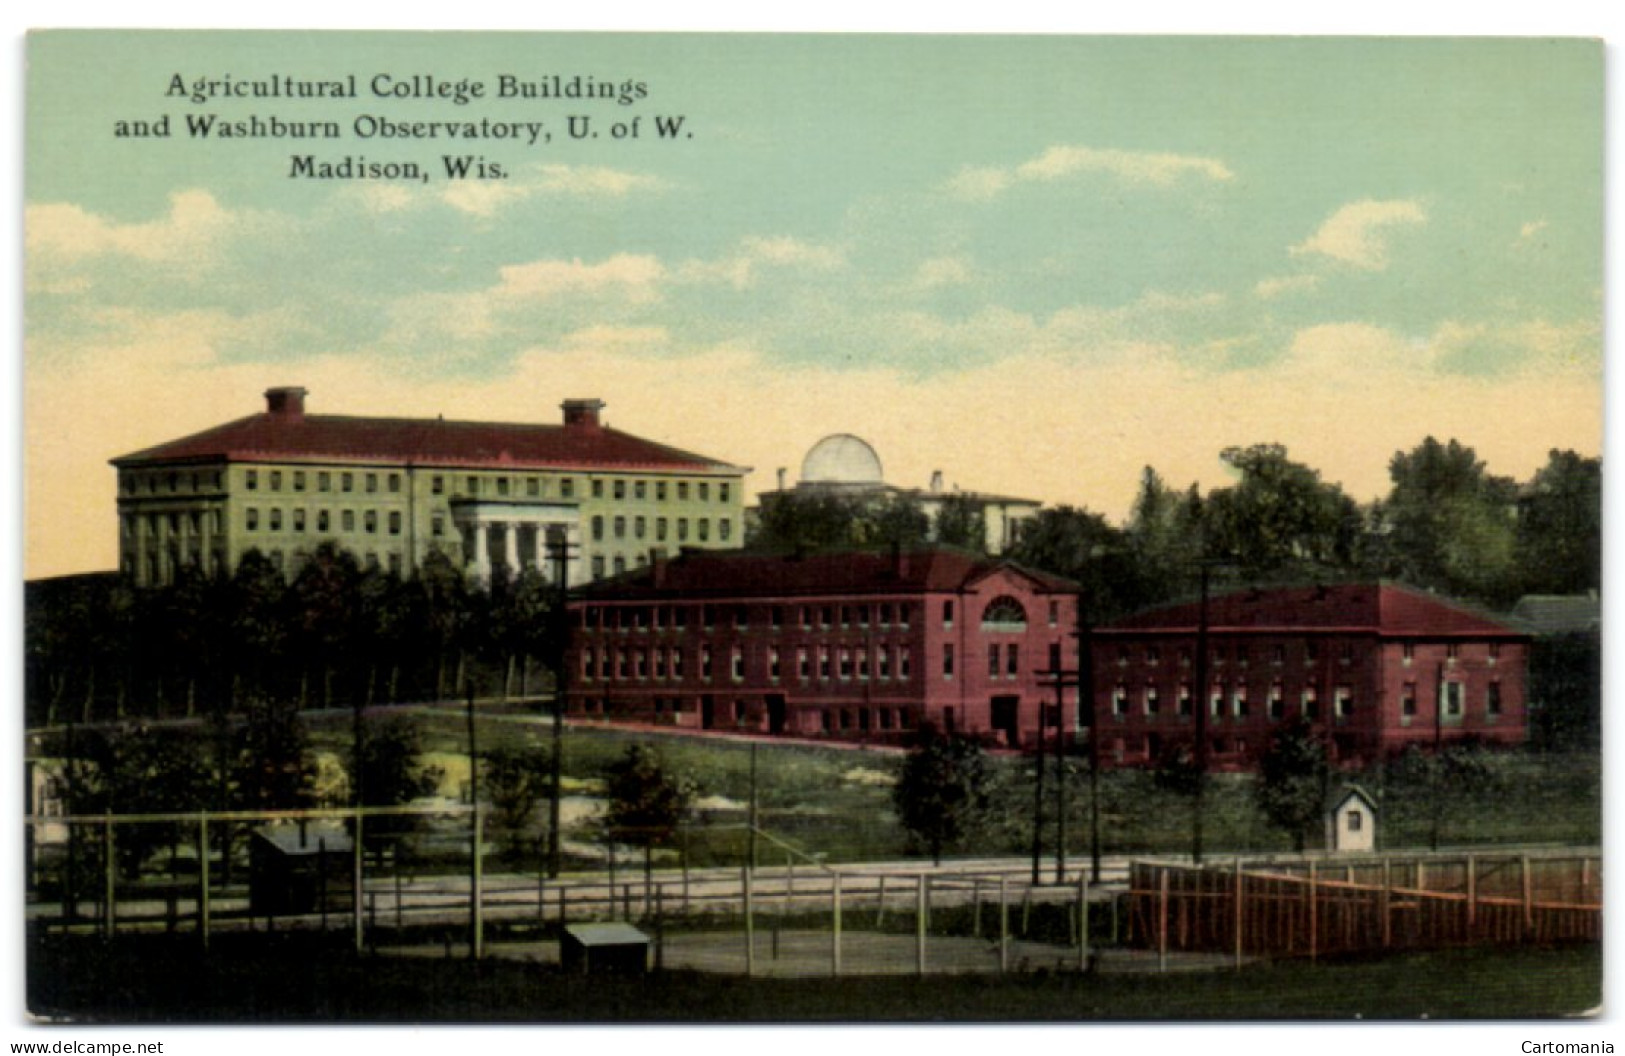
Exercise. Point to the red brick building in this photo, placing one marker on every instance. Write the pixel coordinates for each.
(851, 646)
(1375, 666)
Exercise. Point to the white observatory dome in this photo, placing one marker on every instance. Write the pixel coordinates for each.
(841, 459)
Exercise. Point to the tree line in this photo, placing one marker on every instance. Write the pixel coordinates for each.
(1446, 524)
(97, 648)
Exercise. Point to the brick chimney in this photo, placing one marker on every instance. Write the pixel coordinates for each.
(286, 402)
(582, 414)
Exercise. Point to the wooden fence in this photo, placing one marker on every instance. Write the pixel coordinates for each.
(1313, 907)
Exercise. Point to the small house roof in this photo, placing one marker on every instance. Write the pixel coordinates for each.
(1354, 792)
(612, 934)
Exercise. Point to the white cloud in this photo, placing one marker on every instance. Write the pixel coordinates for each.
(1059, 162)
(941, 271)
(1357, 234)
(484, 198)
(635, 275)
(1275, 287)
(757, 252)
(58, 233)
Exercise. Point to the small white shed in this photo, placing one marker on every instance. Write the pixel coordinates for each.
(1351, 825)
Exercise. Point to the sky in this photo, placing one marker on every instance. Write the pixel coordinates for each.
(1037, 264)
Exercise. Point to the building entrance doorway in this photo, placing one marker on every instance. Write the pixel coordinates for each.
(1004, 712)
(775, 713)
(708, 712)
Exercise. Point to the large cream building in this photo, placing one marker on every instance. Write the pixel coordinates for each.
(391, 490)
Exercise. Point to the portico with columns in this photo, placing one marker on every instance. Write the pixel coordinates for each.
(517, 536)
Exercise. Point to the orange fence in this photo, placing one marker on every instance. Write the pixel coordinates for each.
(1307, 908)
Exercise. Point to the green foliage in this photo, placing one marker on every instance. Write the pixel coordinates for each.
(1291, 781)
(1280, 516)
(941, 793)
(516, 779)
(270, 761)
(1559, 537)
(1450, 524)
(820, 521)
(1565, 692)
(961, 522)
(646, 802)
(1177, 770)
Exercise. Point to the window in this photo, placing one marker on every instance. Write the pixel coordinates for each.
(1408, 653)
(597, 489)
(618, 564)
(725, 528)
(1492, 699)
(347, 520)
(640, 489)
(682, 529)
(395, 522)
(1407, 701)
(773, 662)
(437, 485)
(705, 529)
(1277, 701)
(639, 527)
(1120, 700)
(660, 529)
(276, 518)
(948, 614)
(1452, 694)
(1054, 613)
(1216, 702)
(1012, 660)
(1310, 704)
(567, 488)
(276, 480)
(704, 491)
(598, 568)
(948, 660)
(883, 662)
(1452, 652)
(1185, 707)
(863, 664)
(322, 521)
(620, 489)
(993, 661)
(251, 480)
(1004, 613)
(1495, 651)
(1152, 704)
(1343, 701)
(251, 519)
(324, 481)
(372, 482)
(346, 481)
(370, 521)
(803, 663)
(502, 486)
(905, 612)
(846, 663)
(533, 487)
(1238, 702)
(905, 659)
(598, 527)
(298, 480)
(1356, 820)
(823, 663)
(705, 661)
(620, 527)
(682, 491)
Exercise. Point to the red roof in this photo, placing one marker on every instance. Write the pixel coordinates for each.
(744, 574)
(1388, 609)
(423, 441)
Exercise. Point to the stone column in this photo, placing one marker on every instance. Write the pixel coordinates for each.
(482, 551)
(541, 553)
(510, 547)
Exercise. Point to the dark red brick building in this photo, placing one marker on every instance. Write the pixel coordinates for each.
(852, 646)
(1375, 666)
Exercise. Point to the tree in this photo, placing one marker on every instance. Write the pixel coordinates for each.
(516, 780)
(1559, 534)
(1083, 547)
(961, 522)
(1290, 787)
(1450, 523)
(646, 802)
(324, 600)
(387, 765)
(942, 792)
(1164, 532)
(1280, 516)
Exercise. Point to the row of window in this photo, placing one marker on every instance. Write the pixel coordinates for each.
(625, 618)
(173, 523)
(1450, 701)
(1276, 654)
(832, 717)
(172, 482)
(639, 526)
(298, 519)
(822, 663)
(323, 480)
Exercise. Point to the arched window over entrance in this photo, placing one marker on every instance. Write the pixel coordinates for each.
(1004, 613)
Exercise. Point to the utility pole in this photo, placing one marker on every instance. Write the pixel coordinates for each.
(1202, 704)
(1086, 685)
(559, 547)
(1038, 798)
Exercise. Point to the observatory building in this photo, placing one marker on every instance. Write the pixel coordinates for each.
(848, 466)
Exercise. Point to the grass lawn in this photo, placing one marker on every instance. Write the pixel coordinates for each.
(837, 802)
(291, 979)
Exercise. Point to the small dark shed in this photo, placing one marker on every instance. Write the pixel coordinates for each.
(605, 948)
(300, 869)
